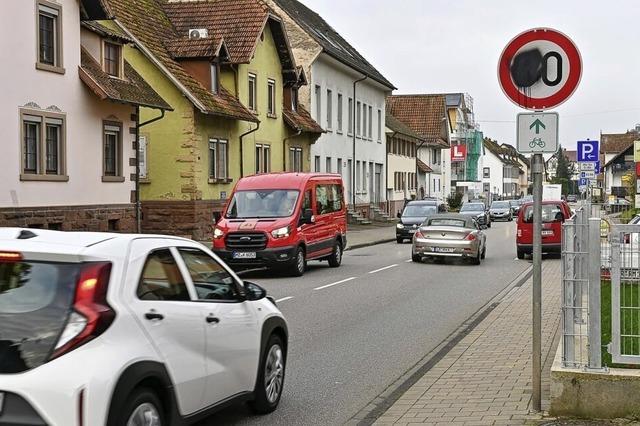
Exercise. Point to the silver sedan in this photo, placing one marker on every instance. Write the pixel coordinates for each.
(449, 235)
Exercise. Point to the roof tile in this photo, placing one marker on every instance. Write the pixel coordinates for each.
(301, 120)
(423, 114)
(614, 143)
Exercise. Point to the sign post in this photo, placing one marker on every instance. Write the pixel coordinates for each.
(538, 70)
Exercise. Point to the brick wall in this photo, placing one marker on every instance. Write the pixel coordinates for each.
(190, 219)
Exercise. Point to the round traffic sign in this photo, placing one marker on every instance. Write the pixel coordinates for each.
(539, 69)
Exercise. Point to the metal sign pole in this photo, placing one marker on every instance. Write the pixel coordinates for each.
(537, 280)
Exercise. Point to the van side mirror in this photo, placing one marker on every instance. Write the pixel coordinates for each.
(307, 216)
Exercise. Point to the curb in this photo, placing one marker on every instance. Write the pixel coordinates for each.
(369, 244)
(381, 403)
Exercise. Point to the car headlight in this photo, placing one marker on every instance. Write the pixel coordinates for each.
(280, 233)
(400, 226)
(218, 233)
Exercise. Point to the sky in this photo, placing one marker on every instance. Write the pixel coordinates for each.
(439, 46)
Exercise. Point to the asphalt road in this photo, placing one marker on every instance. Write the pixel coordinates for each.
(357, 328)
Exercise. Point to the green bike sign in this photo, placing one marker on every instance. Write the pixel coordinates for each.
(537, 133)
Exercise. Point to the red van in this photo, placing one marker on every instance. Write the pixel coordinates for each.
(554, 213)
(282, 220)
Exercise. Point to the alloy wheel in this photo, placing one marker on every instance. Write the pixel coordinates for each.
(300, 261)
(274, 374)
(146, 414)
(338, 253)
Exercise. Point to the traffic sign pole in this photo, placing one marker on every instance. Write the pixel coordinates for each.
(537, 163)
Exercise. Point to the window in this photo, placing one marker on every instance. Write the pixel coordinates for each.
(49, 37)
(339, 166)
(142, 141)
(316, 163)
(112, 59)
(112, 152)
(379, 125)
(294, 99)
(358, 175)
(329, 109)
(364, 177)
(211, 281)
(161, 279)
(339, 113)
(42, 146)
(318, 94)
(263, 158)
(437, 156)
(370, 122)
(486, 172)
(328, 199)
(364, 121)
(215, 79)
(218, 159)
(328, 165)
(253, 96)
(271, 98)
(350, 119)
(295, 158)
(358, 114)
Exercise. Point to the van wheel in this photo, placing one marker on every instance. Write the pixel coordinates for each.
(143, 409)
(336, 256)
(520, 254)
(299, 263)
(270, 381)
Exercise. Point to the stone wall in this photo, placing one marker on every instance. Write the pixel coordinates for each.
(113, 217)
(189, 219)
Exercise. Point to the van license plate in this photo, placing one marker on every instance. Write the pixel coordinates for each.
(244, 255)
(547, 233)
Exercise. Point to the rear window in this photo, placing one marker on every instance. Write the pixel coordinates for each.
(447, 222)
(550, 213)
(35, 300)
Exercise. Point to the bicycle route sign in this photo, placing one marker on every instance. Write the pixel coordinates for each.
(537, 133)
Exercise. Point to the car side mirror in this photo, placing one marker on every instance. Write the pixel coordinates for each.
(307, 216)
(253, 291)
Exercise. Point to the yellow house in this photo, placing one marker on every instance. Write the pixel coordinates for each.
(226, 68)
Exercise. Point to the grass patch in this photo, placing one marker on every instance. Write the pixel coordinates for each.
(629, 321)
(627, 215)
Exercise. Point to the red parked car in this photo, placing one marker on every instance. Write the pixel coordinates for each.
(554, 213)
(282, 220)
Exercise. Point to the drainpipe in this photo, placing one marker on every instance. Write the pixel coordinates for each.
(355, 120)
(241, 150)
(284, 149)
(137, 190)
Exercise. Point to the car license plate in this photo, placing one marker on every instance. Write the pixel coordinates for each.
(547, 233)
(443, 250)
(244, 255)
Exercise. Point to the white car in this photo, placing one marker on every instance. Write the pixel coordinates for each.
(130, 330)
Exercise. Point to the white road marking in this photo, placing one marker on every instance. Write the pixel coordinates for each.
(383, 269)
(284, 298)
(336, 283)
(408, 261)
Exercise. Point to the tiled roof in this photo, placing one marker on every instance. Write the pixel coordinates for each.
(614, 143)
(112, 33)
(399, 127)
(331, 41)
(424, 114)
(148, 23)
(131, 90)
(301, 120)
(184, 47)
(424, 168)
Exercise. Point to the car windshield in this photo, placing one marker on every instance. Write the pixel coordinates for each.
(267, 203)
(419, 211)
(550, 213)
(459, 223)
(473, 207)
(500, 205)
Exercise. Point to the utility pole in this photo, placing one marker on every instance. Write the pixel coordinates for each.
(537, 163)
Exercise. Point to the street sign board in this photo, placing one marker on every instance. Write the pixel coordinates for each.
(537, 133)
(588, 151)
(458, 153)
(597, 169)
(583, 182)
(587, 167)
(539, 69)
(588, 174)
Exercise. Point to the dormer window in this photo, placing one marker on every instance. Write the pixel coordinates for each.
(294, 99)
(112, 60)
(215, 80)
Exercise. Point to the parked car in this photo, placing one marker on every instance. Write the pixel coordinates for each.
(449, 235)
(414, 213)
(104, 329)
(500, 210)
(554, 213)
(515, 207)
(478, 211)
(283, 220)
(442, 206)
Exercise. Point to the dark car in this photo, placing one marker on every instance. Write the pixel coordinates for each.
(515, 206)
(501, 210)
(478, 211)
(414, 213)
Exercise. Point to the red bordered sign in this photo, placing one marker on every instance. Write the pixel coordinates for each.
(561, 69)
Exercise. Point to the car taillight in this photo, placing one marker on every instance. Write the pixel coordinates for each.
(418, 234)
(91, 314)
(470, 237)
(10, 256)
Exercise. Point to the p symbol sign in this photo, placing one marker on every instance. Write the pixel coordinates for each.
(588, 151)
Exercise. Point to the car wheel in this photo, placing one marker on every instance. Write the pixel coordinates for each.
(270, 381)
(399, 240)
(510, 218)
(143, 409)
(416, 258)
(476, 260)
(520, 254)
(484, 252)
(336, 256)
(299, 263)
(489, 225)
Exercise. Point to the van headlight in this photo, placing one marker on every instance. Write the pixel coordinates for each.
(218, 233)
(281, 232)
(400, 226)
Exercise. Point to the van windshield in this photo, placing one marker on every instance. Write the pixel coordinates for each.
(550, 213)
(263, 203)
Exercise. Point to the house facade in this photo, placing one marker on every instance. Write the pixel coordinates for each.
(69, 119)
(234, 86)
(501, 171)
(615, 149)
(346, 96)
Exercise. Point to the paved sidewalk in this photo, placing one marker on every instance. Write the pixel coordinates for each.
(486, 378)
(367, 235)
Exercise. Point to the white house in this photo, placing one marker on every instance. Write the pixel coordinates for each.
(67, 106)
(346, 96)
(501, 171)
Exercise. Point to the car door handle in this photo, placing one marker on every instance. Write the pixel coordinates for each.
(211, 319)
(154, 316)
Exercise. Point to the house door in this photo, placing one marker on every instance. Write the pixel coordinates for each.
(378, 183)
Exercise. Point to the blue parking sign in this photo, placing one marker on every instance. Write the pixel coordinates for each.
(583, 182)
(588, 151)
